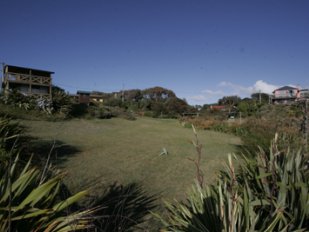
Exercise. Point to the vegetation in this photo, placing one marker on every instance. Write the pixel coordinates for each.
(269, 192)
(155, 102)
(34, 198)
(255, 121)
(31, 199)
(17, 105)
(123, 208)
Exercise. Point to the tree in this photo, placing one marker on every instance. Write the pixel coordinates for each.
(134, 95)
(248, 107)
(176, 106)
(158, 93)
(229, 101)
(61, 101)
(262, 98)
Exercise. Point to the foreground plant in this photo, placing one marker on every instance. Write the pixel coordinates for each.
(30, 201)
(9, 132)
(269, 192)
(123, 208)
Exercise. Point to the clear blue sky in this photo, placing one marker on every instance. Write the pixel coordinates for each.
(200, 49)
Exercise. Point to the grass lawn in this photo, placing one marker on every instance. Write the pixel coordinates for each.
(117, 150)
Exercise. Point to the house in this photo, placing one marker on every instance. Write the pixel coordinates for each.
(83, 97)
(87, 97)
(97, 97)
(218, 107)
(27, 81)
(304, 94)
(285, 95)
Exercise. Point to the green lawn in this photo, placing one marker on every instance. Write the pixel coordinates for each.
(105, 151)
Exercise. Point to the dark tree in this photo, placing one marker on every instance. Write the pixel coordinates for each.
(229, 101)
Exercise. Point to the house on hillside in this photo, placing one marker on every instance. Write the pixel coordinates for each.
(286, 95)
(83, 97)
(96, 97)
(87, 97)
(304, 94)
(27, 81)
(217, 107)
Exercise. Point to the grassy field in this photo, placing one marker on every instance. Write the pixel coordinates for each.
(102, 152)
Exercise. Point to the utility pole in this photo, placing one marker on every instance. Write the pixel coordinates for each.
(306, 125)
(239, 117)
(122, 93)
(2, 77)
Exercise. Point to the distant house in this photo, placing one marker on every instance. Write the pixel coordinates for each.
(27, 81)
(96, 97)
(218, 107)
(285, 95)
(304, 93)
(87, 97)
(83, 97)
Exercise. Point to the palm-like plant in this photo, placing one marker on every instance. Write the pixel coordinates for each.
(29, 201)
(268, 193)
(8, 134)
(123, 208)
(30, 198)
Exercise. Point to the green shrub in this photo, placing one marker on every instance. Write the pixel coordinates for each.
(269, 192)
(30, 201)
(9, 133)
(30, 198)
(78, 110)
(122, 208)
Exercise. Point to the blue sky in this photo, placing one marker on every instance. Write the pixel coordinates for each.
(200, 49)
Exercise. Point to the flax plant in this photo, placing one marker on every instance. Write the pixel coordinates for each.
(269, 192)
(30, 199)
(28, 204)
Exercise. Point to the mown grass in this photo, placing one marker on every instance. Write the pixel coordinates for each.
(118, 150)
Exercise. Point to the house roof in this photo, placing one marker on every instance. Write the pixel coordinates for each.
(19, 69)
(285, 88)
(83, 92)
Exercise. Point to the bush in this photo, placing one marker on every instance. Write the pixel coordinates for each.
(78, 110)
(9, 133)
(122, 208)
(269, 192)
(31, 199)
(260, 129)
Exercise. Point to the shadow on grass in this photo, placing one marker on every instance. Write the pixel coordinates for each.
(123, 208)
(42, 150)
(250, 150)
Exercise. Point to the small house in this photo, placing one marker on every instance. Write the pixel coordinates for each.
(27, 81)
(83, 97)
(96, 97)
(304, 93)
(87, 97)
(285, 95)
(218, 107)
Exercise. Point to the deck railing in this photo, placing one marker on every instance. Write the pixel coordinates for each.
(27, 79)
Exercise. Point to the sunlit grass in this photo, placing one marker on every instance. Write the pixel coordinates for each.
(129, 151)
